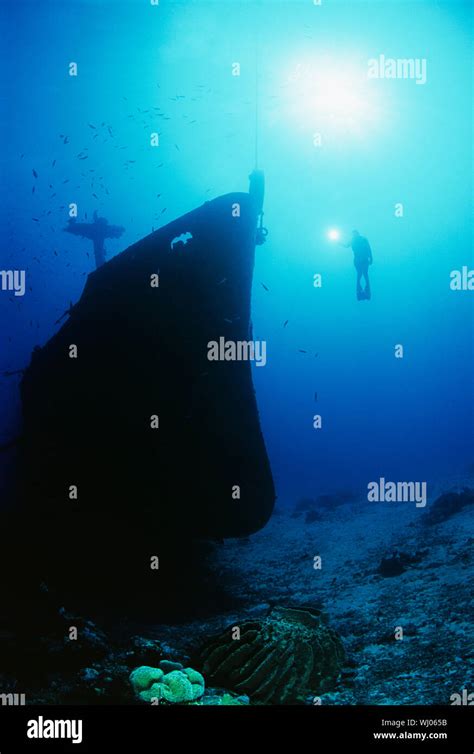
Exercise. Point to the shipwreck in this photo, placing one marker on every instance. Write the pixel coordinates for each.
(134, 441)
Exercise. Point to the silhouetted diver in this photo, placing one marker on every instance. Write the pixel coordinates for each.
(97, 232)
(362, 259)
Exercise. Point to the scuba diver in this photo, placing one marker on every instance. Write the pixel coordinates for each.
(97, 232)
(362, 258)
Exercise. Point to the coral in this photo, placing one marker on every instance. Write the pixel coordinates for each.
(167, 666)
(221, 698)
(143, 677)
(176, 687)
(278, 660)
(229, 700)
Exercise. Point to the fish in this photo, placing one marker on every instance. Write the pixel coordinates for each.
(92, 126)
(264, 286)
(53, 163)
(224, 280)
(285, 323)
(35, 174)
(301, 350)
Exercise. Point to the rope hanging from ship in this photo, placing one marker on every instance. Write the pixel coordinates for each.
(257, 176)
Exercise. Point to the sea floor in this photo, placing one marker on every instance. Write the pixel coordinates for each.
(397, 588)
(430, 600)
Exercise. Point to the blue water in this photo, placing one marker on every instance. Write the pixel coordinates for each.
(383, 142)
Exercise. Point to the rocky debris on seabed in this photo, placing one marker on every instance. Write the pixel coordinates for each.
(398, 562)
(318, 504)
(76, 662)
(311, 517)
(448, 505)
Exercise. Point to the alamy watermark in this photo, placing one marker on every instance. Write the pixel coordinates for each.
(397, 492)
(462, 280)
(397, 68)
(238, 350)
(44, 728)
(13, 280)
(12, 700)
(465, 698)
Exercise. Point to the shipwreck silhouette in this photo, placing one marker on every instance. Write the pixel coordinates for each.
(133, 440)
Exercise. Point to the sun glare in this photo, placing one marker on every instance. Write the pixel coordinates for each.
(331, 97)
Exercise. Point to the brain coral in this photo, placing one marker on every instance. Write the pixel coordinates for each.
(177, 687)
(279, 660)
